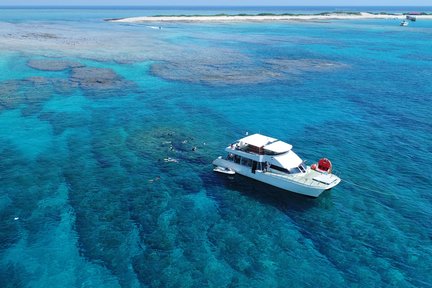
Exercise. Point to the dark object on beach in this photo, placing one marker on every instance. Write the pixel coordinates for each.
(112, 19)
(416, 13)
(411, 18)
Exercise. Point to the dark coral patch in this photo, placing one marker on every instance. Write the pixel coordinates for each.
(240, 72)
(52, 65)
(32, 93)
(60, 121)
(100, 82)
(9, 96)
(297, 66)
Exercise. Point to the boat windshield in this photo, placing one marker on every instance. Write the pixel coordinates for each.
(302, 168)
(299, 169)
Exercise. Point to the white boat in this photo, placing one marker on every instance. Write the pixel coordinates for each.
(224, 170)
(404, 23)
(272, 161)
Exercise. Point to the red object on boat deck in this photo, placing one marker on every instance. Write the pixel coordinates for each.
(313, 166)
(324, 165)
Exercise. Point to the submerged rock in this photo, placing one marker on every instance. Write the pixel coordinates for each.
(60, 121)
(30, 91)
(164, 142)
(40, 35)
(34, 91)
(211, 74)
(99, 200)
(297, 66)
(99, 82)
(52, 65)
(9, 95)
(241, 73)
(64, 86)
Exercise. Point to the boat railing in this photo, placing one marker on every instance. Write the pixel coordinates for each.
(337, 173)
(252, 150)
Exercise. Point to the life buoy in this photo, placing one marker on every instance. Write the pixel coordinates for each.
(325, 165)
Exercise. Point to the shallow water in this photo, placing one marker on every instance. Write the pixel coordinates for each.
(87, 200)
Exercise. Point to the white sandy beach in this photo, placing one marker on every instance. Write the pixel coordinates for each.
(238, 18)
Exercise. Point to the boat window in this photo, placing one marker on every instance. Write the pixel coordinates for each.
(302, 168)
(260, 166)
(279, 168)
(254, 149)
(246, 162)
(230, 157)
(237, 159)
(295, 170)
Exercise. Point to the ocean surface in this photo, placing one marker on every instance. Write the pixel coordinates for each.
(90, 110)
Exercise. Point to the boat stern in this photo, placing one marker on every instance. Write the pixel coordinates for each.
(330, 180)
(218, 161)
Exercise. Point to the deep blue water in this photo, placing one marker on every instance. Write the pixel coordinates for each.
(87, 200)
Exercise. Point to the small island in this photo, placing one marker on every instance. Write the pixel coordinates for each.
(263, 17)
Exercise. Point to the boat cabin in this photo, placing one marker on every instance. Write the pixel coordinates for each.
(265, 154)
(271, 161)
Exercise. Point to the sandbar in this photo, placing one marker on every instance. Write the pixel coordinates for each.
(264, 18)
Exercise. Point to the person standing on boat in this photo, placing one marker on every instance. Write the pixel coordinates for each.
(266, 166)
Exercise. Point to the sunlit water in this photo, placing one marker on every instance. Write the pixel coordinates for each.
(89, 110)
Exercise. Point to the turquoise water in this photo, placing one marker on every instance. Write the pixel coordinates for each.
(89, 110)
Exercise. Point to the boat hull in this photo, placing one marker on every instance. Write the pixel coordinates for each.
(290, 185)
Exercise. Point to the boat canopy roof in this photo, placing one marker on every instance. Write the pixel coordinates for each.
(288, 160)
(268, 144)
(278, 147)
(257, 140)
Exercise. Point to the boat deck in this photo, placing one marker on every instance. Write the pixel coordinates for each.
(306, 179)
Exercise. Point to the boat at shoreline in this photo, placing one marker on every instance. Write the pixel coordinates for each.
(273, 162)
